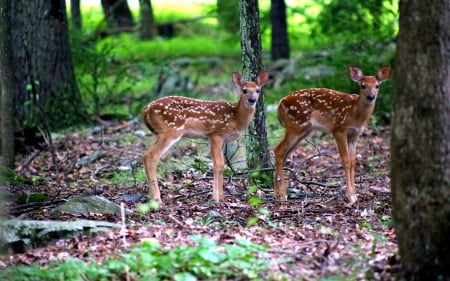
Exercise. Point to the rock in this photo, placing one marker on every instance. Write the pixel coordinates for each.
(88, 204)
(88, 159)
(21, 235)
(133, 198)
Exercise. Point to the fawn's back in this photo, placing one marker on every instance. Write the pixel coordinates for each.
(322, 109)
(196, 118)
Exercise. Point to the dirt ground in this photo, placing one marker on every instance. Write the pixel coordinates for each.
(312, 235)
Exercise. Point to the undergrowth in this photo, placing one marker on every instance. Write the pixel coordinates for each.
(207, 260)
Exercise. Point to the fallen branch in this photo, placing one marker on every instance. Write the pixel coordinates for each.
(28, 161)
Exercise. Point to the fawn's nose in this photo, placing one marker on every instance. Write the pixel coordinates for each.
(371, 97)
(251, 100)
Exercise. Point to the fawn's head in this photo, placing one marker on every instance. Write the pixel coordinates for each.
(369, 85)
(250, 90)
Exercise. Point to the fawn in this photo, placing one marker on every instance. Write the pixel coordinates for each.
(328, 110)
(173, 117)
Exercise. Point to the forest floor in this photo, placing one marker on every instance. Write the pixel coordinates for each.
(313, 235)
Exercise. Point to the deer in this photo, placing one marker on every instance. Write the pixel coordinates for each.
(341, 114)
(172, 117)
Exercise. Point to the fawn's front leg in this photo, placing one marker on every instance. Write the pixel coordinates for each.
(351, 142)
(216, 143)
(347, 163)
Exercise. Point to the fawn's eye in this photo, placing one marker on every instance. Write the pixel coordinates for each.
(363, 86)
(377, 86)
(244, 91)
(258, 91)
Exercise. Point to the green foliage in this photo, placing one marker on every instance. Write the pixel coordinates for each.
(161, 50)
(205, 261)
(325, 34)
(33, 197)
(123, 177)
(374, 18)
(10, 176)
(104, 82)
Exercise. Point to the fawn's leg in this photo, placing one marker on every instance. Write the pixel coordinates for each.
(150, 159)
(281, 152)
(341, 140)
(218, 166)
(351, 193)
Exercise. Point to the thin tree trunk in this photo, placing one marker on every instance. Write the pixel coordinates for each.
(147, 26)
(256, 142)
(75, 12)
(6, 80)
(279, 38)
(420, 145)
(117, 13)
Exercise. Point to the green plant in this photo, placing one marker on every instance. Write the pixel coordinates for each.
(207, 260)
(8, 175)
(104, 80)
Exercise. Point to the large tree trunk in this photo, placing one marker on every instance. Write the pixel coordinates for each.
(6, 88)
(256, 142)
(420, 158)
(279, 39)
(117, 13)
(45, 93)
(147, 28)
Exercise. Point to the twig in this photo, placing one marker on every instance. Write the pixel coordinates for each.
(94, 174)
(176, 221)
(123, 227)
(72, 166)
(192, 195)
(28, 161)
(28, 207)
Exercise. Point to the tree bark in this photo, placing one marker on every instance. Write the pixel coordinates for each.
(6, 80)
(147, 26)
(117, 13)
(279, 38)
(420, 148)
(45, 92)
(256, 143)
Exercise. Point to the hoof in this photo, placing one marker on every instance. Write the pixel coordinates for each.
(281, 197)
(351, 198)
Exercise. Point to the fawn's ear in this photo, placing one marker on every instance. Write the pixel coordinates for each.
(384, 73)
(238, 80)
(262, 78)
(355, 73)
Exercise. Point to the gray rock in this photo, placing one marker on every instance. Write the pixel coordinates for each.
(22, 235)
(88, 204)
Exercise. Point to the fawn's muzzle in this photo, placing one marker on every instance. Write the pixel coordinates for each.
(370, 97)
(251, 100)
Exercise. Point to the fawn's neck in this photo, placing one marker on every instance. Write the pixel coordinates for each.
(243, 114)
(362, 110)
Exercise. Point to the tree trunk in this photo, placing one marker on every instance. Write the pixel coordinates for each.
(279, 39)
(117, 13)
(147, 27)
(45, 92)
(6, 84)
(75, 12)
(420, 146)
(256, 144)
